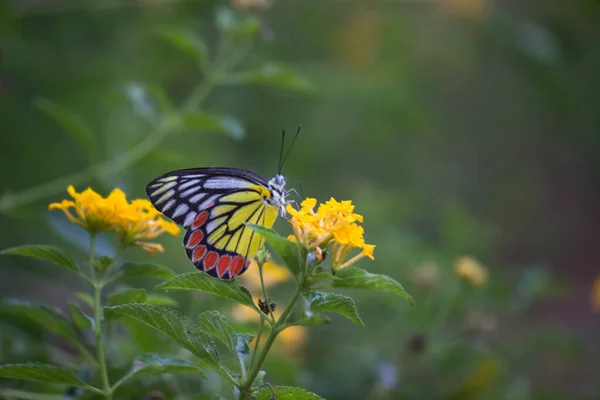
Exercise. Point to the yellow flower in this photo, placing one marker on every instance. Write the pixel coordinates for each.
(92, 212)
(140, 222)
(595, 295)
(333, 223)
(471, 270)
(134, 222)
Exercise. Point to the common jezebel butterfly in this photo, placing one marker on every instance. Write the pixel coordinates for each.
(214, 205)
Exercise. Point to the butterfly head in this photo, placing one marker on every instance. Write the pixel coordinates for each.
(278, 193)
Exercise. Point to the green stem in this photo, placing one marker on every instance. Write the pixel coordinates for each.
(264, 289)
(246, 389)
(258, 336)
(98, 320)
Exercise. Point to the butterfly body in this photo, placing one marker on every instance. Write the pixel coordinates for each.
(214, 205)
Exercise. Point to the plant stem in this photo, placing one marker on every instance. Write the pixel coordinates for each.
(98, 284)
(258, 336)
(246, 389)
(264, 289)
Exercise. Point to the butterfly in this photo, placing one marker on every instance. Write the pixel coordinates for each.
(214, 205)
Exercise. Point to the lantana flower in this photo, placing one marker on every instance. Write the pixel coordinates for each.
(135, 223)
(471, 271)
(93, 212)
(141, 222)
(333, 223)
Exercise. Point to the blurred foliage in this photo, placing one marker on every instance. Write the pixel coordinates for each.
(457, 127)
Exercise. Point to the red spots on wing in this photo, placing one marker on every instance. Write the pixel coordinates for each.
(210, 260)
(248, 262)
(237, 264)
(198, 253)
(200, 220)
(195, 238)
(224, 263)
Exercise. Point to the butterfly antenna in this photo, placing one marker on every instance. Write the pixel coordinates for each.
(281, 152)
(287, 153)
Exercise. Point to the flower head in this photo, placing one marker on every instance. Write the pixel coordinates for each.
(134, 222)
(471, 271)
(93, 212)
(141, 222)
(333, 223)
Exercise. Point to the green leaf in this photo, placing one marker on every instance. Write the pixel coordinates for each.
(287, 250)
(217, 326)
(205, 121)
(86, 298)
(43, 373)
(145, 270)
(127, 296)
(310, 319)
(173, 324)
(52, 320)
(287, 393)
(271, 75)
(186, 41)
(14, 394)
(154, 364)
(204, 282)
(353, 277)
(72, 124)
(160, 300)
(51, 254)
(81, 320)
(237, 26)
(334, 302)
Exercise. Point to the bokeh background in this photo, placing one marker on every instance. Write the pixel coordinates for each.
(459, 128)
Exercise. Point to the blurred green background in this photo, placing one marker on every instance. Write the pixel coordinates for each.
(457, 128)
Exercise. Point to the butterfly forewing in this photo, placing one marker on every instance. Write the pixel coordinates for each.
(214, 204)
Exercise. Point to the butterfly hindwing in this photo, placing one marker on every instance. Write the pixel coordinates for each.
(214, 204)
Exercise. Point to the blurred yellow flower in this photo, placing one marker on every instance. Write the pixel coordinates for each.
(140, 222)
(595, 295)
(471, 271)
(93, 212)
(273, 274)
(134, 222)
(333, 223)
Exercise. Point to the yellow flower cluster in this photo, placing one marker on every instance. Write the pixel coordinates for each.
(133, 222)
(333, 222)
(471, 271)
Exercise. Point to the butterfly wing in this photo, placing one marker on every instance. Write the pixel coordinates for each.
(214, 204)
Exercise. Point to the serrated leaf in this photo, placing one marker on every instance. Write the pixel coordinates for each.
(173, 324)
(160, 300)
(206, 121)
(353, 277)
(86, 298)
(127, 296)
(48, 318)
(287, 250)
(216, 325)
(81, 320)
(271, 75)
(186, 41)
(42, 373)
(71, 123)
(204, 282)
(154, 364)
(334, 302)
(312, 319)
(287, 393)
(52, 254)
(145, 270)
